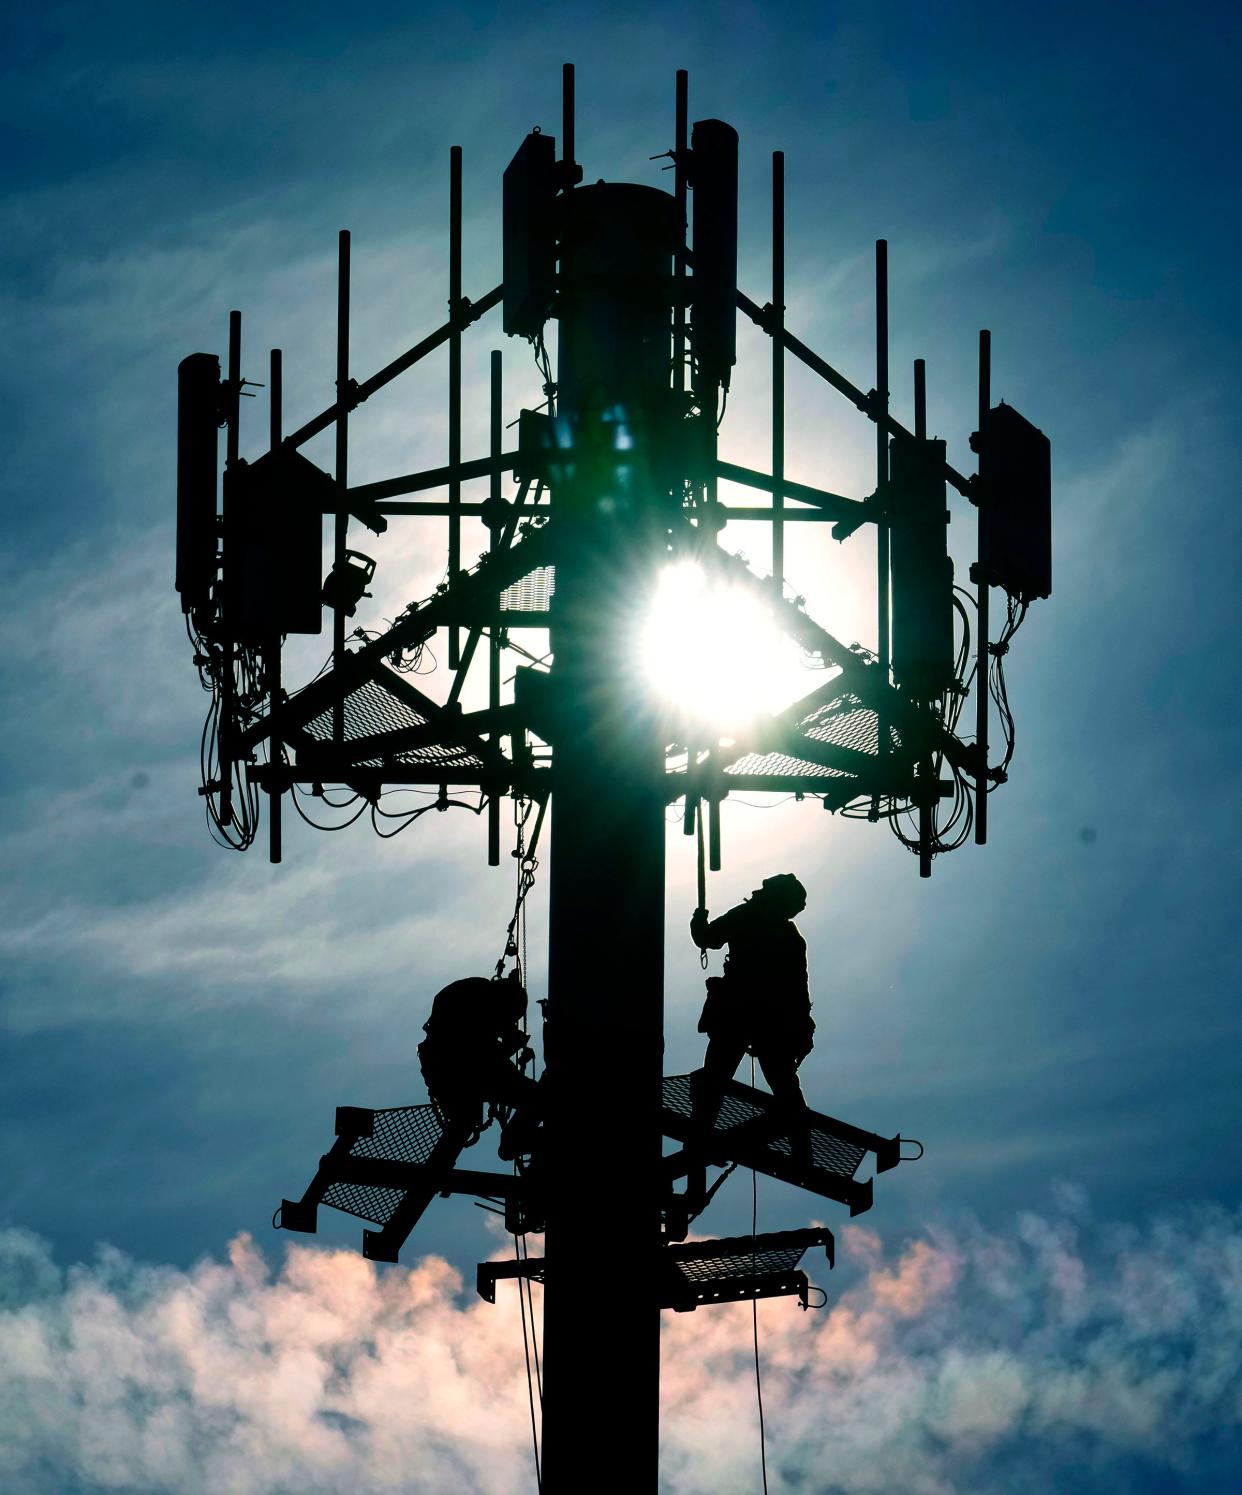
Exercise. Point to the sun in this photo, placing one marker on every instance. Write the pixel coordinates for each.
(712, 651)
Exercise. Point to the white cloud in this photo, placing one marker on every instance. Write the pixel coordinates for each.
(974, 1359)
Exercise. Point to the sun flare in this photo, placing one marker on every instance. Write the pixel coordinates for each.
(712, 650)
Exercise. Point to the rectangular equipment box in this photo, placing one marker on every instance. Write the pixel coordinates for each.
(713, 176)
(198, 423)
(1015, 504)
(529, 236)
(921, 568)
(273, 546)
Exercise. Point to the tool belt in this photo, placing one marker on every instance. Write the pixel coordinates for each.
(731, 1011)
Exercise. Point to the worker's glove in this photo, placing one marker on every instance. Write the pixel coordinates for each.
(698, 925)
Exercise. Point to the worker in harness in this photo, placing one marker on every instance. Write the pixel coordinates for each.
(762, 1003)
(474, 1055)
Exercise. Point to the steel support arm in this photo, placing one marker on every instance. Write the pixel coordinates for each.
(857, 676)
(433, 477)
(830, 505)
(761, 317)
(387, 1173)
(493, 574)
(469, 312)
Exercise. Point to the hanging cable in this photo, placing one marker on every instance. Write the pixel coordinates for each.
(702, 872)
(344, 824)
(407, 819)
(534, 1336)
(530, 1385)
(1015, 616)
(754, 1305)
(528, 864)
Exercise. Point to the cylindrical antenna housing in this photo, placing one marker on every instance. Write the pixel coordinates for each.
(616, 299)
(713, 176)
(198, 455)
(922, 569)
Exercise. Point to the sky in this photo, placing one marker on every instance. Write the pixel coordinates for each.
(1050, 1300)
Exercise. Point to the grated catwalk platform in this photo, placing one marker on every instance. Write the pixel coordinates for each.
(747, 1132)
(732, 1270)
(387, 1165)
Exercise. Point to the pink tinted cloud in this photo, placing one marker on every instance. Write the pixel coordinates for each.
(944, 1366)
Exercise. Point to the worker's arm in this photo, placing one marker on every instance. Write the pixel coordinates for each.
(513, 1039)
(709, 934)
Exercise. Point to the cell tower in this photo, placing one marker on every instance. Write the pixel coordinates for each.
(615, 478)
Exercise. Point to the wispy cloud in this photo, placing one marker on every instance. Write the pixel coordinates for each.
(1051, 1354)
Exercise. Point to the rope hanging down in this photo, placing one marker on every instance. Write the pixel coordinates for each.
(528, 863)
(754, 1307)
(515, 950)
(702, 870)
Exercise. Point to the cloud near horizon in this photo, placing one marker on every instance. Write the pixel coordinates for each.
(1056, 1354)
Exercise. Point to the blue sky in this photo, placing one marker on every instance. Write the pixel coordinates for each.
(1054, 1015)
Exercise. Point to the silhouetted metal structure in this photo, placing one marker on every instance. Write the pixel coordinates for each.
(619, 473)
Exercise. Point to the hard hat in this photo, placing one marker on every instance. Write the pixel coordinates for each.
(510, 997)
(786, 893)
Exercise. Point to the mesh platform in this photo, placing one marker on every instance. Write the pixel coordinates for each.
(746, 1133)
(365, 1201)
(842, 722)
(736, 1269)
(783, 766)
(739, 1268)
(377, 706)
(845, 722)
(532, 594)
(401, 1134)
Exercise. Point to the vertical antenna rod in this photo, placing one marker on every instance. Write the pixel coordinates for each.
(567, 117)
(778, 370)
(234, 408)
(493, 647)
(342, 465)
(927, 770)
(231, 438)
(271, 665)
(680, 147)
(454, 392)
(982, 658)
(883, 647)
(881, 453)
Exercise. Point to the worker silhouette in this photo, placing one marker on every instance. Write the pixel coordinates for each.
(761, 1005)
(473, 1056)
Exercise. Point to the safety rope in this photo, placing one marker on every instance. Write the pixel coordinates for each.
(527, 1336)
(754, 1305)
(702, 871)
(515, 950)
(528, 863)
